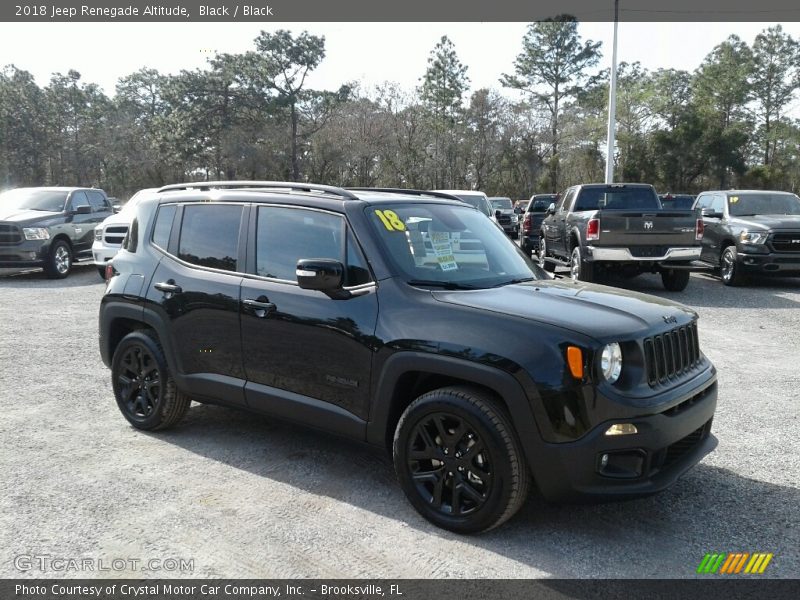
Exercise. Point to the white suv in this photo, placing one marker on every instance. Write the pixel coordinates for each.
(109, 234)
(477, 200)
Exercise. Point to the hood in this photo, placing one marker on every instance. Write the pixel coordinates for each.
(604, 313)
(764, 222)
(121, 218)
(22, 215)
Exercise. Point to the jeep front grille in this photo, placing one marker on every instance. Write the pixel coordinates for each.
(10, 235)
(114, 234)
(671, 354)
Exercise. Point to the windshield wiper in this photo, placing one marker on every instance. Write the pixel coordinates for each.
(512, 281)
(447, 285)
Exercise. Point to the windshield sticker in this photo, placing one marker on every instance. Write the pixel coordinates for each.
(390, 220)
(734, 199)
(440, 240)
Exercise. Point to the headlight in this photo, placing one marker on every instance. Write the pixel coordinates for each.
(36, 233)
(98, 234)
(753, 237)
(611, 362)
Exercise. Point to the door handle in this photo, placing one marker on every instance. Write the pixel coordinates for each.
(168, 287)
(261, 307)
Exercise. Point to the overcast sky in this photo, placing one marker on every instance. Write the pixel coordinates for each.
(368, 52)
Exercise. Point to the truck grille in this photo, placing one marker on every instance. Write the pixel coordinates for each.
(671, 354)
(786, 242)
(10, 235)
(114, 234)
(504, 220)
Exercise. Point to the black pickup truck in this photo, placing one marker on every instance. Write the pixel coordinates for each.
(620, 228)
(749, 232)
(49, 227)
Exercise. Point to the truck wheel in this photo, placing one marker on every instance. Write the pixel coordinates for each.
(675, 280)
(580, 270)
(459, 461)
(143, 387)
(730, 270)
(59, 261)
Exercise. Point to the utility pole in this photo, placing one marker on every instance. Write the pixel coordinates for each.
(612, 103)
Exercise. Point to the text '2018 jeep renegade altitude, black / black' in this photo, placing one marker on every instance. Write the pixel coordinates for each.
(407, 320)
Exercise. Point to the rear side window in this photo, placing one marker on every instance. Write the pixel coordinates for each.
(285, 235)
(163, 226)
(210, 236)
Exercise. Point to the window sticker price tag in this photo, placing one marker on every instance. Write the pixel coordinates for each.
(443, 249)
(390, 220)
(734, 199)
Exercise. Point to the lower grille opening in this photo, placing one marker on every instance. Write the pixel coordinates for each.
(668, 456)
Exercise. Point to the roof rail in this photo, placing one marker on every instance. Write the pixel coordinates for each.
(274, 185)
(408, 192)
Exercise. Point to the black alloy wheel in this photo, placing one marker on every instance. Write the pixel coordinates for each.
(449, 464)
(458, 459)
(143, 387)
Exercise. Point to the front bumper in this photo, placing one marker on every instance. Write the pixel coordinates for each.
(784, 263)
(666, 446)
(624, 254)
(102, 253)
(30, 253)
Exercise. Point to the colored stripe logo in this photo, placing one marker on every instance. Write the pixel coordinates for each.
(732, 563)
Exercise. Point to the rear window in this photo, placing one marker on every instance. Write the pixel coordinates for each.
(540, 205)
(617, 198)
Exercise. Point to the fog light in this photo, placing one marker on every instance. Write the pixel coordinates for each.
(622, 429)
(622, 464)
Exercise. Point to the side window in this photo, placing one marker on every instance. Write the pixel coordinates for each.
(566, 200)
(131, 240)
(703, 201)
(357, 270)
(718, 203)
(97, 202)
(285, 235)
(163, 226)
(210, 235)
(78, 199)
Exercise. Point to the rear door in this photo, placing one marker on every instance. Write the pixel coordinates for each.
(195, 290)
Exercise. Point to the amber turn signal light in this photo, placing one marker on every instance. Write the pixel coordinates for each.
(575, 361)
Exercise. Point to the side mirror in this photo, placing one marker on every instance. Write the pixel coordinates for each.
(551, 210)
(323, 275)
(116, 208)
(83, 209)
(710, 212)
(498, 213)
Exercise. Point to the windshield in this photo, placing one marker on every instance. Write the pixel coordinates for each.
(541, 205)
(47, 200)
(617, 198)
(449, 247)
(764, 204)
(476, 201)
(502, 203)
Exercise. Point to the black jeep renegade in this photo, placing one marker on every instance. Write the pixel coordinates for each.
(407, 320)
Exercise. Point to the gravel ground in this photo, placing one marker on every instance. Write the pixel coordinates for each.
(244, 496)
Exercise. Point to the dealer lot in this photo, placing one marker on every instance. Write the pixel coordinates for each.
(242, 496)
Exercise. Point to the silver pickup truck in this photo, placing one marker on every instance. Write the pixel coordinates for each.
(621, 229)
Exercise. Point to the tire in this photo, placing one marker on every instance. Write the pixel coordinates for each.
(102, 271)
(729, 268)
(541, 251)
(458, 438)
(580, 270)
(143, 387)
(59, 261)
(675, 280)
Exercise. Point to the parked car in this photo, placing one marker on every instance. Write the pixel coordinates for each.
(749, 232)
(532, 217)
(365, 314)
(477, 200)
(109, 234)
(676, 201)
(49, 227)
(504, 213)
(620, 227)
